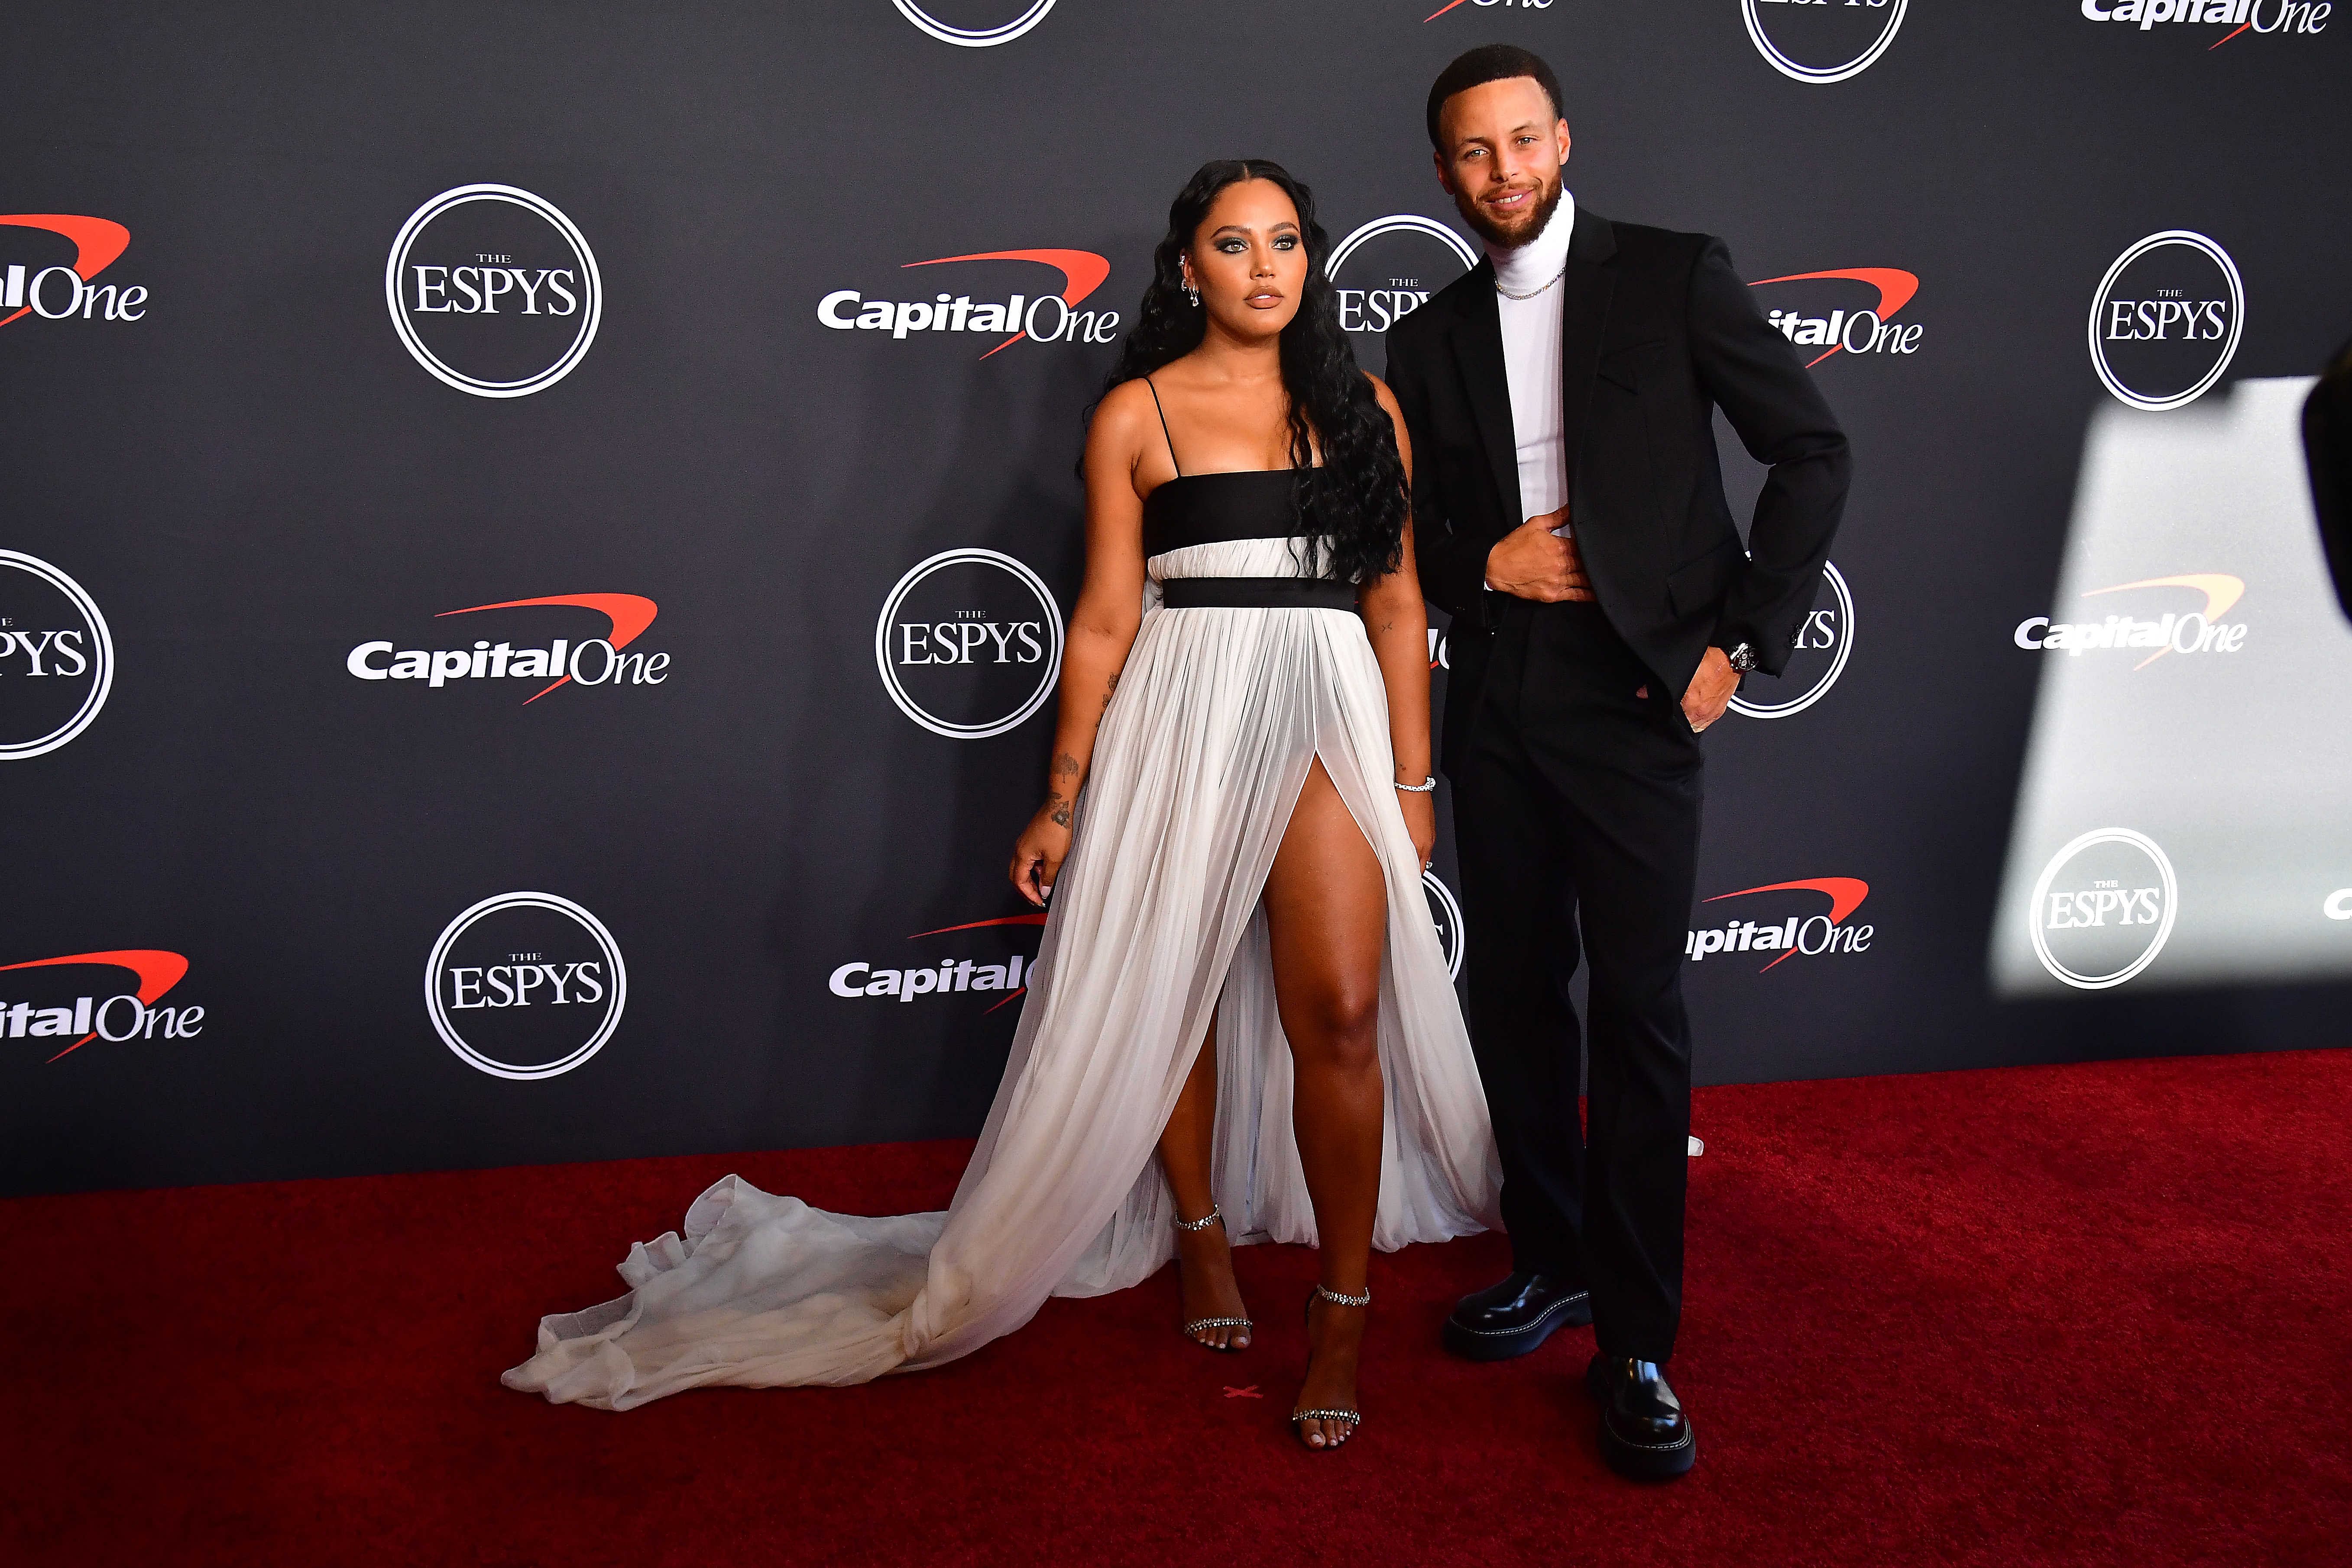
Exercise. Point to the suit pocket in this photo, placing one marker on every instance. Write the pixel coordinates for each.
(1622, 367)
(1701, 583)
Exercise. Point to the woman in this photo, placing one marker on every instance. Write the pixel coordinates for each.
(1239, 969)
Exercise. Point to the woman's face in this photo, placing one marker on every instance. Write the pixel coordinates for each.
(1248, 259)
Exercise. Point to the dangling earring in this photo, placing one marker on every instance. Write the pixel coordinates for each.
(1192, 295)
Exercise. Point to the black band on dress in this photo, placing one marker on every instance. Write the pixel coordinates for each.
(1257, 594)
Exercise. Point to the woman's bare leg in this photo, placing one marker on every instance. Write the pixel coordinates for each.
(1326, 912)
(1204, 1258)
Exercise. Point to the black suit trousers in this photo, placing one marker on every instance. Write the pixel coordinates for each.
(1576, 816)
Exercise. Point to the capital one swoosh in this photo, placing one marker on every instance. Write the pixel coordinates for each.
(2220, 589)
(1082, 273)
(1845, 895)
(1895, 287)
(97, 242)
(158, 971)
(1036, 920)
(630, 613)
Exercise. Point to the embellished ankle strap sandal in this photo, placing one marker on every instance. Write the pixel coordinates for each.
(1350, 1418)
(1217, 1216)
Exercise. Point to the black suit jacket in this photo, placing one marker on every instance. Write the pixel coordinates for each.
(1658, 332)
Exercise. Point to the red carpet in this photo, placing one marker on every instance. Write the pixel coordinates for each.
(2082, 1315)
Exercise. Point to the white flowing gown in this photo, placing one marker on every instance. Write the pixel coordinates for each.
(1218, 716)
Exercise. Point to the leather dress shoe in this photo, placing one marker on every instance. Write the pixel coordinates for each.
(1645, 1435)
(1516, 1316)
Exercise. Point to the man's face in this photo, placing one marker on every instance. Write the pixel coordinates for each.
(1500, 149)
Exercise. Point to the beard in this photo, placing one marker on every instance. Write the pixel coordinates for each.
(1530, 224)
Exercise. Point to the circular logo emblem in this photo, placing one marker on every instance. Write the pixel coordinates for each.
(1822, 43)
(1389, 268)
(969, 644)
(1819, 655)
(57, 658)
(2103, 909)
(525, 985)
(494, 291)
(1446, 915)
(982, 36)
(2164, 322)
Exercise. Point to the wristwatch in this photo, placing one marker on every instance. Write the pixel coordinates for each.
(1742, 658)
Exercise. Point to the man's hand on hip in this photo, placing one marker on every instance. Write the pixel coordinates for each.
(1532, 562)
(1711, 690)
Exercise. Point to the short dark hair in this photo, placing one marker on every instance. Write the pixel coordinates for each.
(1490, 62)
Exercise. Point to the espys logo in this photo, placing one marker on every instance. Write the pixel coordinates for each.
(1822, 41)
(56, 1015)
(994, 26)
(57, 658)
(2166, 320)
(947, 976)
(2338, 905)
(969, 643)
(1810, 934)
(1044, 318)
(56, 290)
(2200, 630)
(593, 661)
(1824, 641)
(525, 985)
(1489, 6)
(2239, 16)
(1389, 267)
(1445, 913)
(1844, 329)
(2103, 909)
(493, 290)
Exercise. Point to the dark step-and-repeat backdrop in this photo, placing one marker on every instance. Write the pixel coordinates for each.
(534, 539)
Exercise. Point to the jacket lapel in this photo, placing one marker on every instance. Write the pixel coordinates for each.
(1478, 339)
(1591, 282)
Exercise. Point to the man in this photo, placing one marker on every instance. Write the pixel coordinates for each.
(1569, 516)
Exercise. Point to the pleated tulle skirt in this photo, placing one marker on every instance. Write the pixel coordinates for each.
(1220, 714)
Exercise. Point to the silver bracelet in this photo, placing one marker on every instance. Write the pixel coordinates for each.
(1424, 787)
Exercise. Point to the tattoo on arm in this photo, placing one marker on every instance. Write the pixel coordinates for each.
(1066, 766)
(1060, 814)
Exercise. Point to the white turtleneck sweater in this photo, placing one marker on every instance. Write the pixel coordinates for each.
(1532, 357)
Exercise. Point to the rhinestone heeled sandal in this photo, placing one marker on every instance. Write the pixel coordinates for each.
(1352, 1418)
(1217, 1216)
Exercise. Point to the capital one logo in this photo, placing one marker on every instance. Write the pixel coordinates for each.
(1445, 913)
(493, 290)
(1792, 923)
(1834, 325)
(1043, 318)
(37, 280)
(1822, 41)
(2103, 909)
(57, 1003)
(2196, 631)
(1489, 6)
(969, 643)
(560, 661)
(57, 658)
(1000, 21)
(1817, 655)
(525, 985)
(2240, 17)
(1389, 268)
(2166, 320)
(953, 975)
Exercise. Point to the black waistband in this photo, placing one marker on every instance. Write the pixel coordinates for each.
(1257, 594)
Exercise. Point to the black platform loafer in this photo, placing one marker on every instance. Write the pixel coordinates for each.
(1645, 1435)
(1516, 1316)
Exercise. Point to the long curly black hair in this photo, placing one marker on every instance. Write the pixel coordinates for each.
(1362, 510)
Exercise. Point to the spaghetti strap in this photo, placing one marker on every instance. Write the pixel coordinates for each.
(1163, 428)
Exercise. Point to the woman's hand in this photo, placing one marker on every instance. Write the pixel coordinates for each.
(1420, 822)
(1038, 853)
